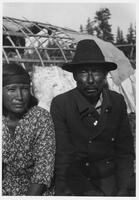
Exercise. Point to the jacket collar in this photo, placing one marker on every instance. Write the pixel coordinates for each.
(106, 104)
(83, 104)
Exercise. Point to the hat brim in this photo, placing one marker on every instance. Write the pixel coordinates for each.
(104, 66)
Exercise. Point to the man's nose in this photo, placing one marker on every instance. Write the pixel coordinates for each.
(90, 78)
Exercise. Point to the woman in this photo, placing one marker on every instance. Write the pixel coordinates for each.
(28, 146)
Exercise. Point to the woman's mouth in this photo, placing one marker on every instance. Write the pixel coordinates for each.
(19, 105)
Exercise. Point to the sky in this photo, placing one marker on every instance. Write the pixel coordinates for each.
(72, 15)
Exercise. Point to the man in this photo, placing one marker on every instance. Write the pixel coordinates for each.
(94, 155)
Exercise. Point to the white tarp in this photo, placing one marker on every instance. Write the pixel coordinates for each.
(128, 89)
(49, 82)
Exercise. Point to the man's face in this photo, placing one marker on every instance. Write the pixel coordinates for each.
(90, 81)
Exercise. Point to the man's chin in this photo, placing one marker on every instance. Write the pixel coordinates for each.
(91, 93)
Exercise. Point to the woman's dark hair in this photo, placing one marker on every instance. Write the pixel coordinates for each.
(33, 102)
(14, 73)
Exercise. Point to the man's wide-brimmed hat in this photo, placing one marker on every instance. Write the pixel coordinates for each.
(89, 53)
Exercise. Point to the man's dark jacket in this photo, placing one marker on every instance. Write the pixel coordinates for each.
(95, 151)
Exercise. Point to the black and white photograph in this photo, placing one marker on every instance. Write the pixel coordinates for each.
(68, 99)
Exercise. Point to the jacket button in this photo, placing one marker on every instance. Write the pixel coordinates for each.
(90, 142)
(95, 123)
(87, 164)
(112, 139)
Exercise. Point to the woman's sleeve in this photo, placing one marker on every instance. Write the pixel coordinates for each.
(44, 150)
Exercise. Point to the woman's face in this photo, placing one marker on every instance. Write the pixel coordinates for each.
(16, 97)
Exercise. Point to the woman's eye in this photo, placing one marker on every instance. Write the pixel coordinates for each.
(11, 89)
(25, 88)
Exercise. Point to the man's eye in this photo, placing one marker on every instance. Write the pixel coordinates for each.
(83, 71)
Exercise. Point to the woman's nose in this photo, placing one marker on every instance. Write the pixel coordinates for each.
(19, 95)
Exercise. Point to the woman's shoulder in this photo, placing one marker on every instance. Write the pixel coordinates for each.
(38, 111)
(39, 117)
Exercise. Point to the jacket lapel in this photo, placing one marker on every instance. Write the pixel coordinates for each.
(106, 109)
(83, 105)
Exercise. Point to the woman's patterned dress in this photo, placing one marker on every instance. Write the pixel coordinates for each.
(29, 156)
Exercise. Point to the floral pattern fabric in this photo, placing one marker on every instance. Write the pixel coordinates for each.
(29, 156)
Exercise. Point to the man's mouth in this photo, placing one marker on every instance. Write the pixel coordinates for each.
(91, 89)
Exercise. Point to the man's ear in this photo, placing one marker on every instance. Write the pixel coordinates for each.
(106, 73)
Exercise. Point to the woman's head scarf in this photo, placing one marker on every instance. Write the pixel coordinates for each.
(14, 73)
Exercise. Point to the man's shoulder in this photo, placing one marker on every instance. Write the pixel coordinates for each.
(115, 96)
(114, 93)
(64, 96)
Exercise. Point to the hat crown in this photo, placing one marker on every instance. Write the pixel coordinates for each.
(88, 51)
